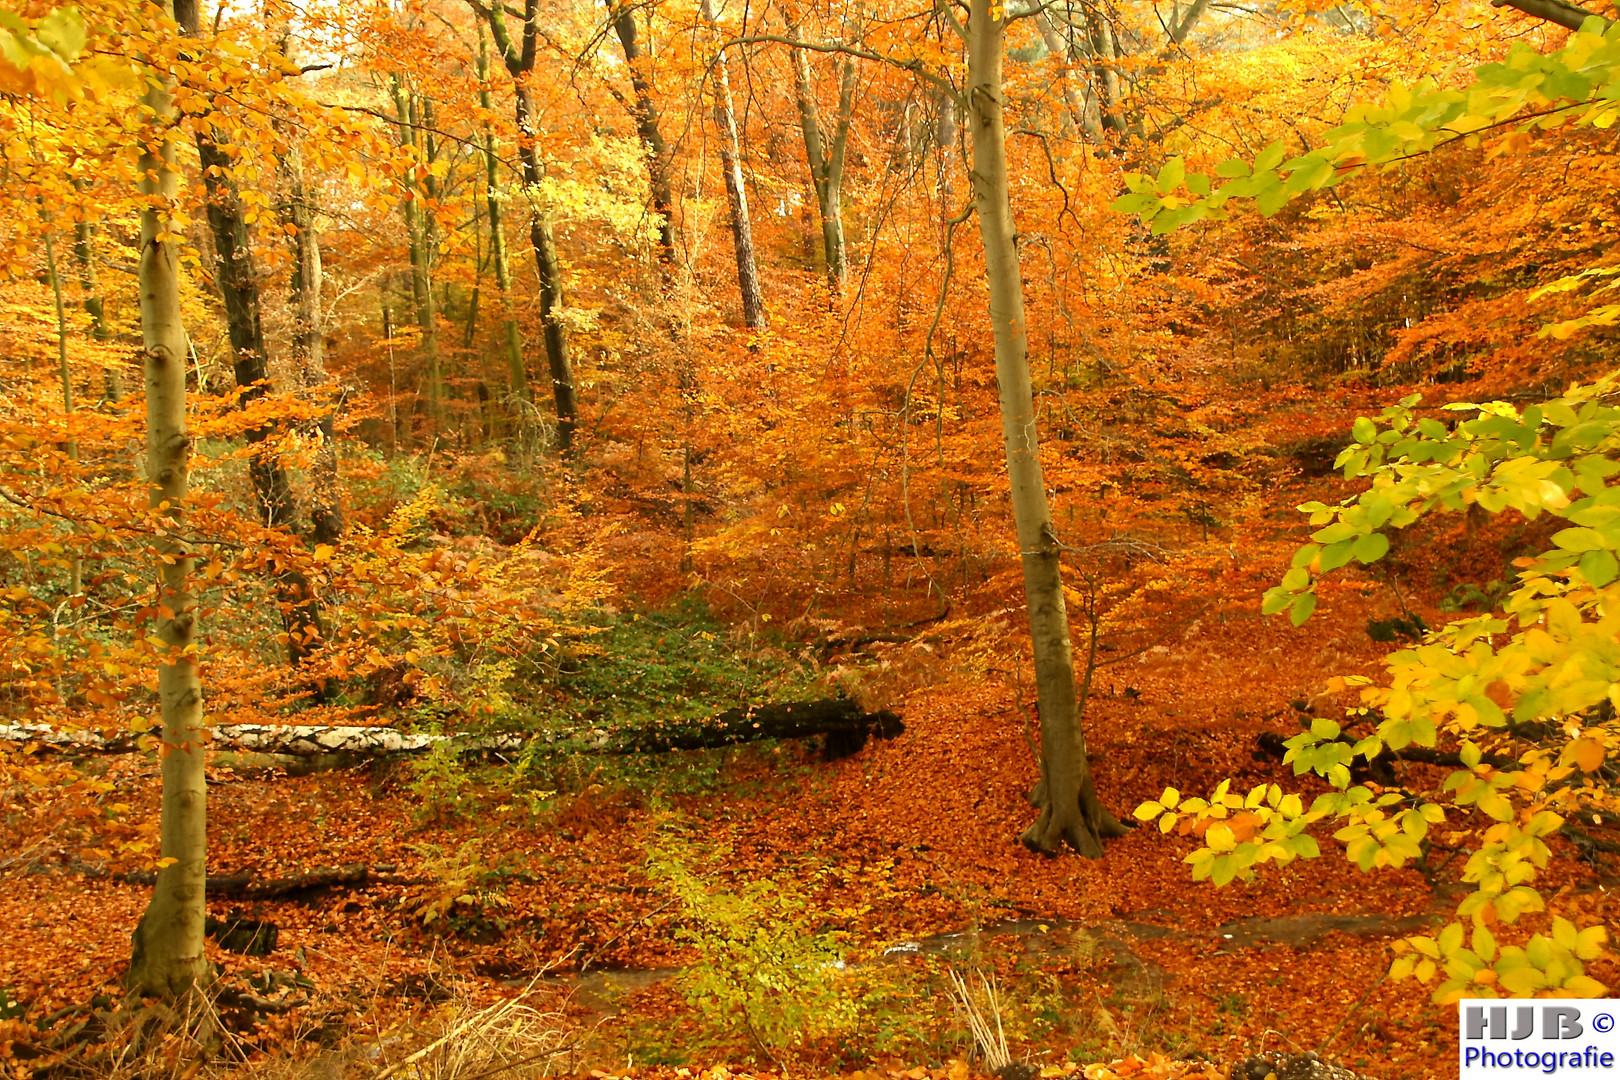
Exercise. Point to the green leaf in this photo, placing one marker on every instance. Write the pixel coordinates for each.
(1364, 430)
(1372, 547)
(1171, 175)
(1484, 944)
(1332, 534)
(1313, 172)
(1272, 197)
(1135, 203)
(1302, 608)
(1337, 554)
(1270, 157)
(63, 30)
(1599, 567)
(1578, 539)
(1232, 168)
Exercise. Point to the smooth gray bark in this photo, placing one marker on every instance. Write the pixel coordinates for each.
(826, 161)
(742, 229)
(167, 956)
(1070, 812)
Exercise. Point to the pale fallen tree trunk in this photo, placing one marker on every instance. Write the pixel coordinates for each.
(845, 724)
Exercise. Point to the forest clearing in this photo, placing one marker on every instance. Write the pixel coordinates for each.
(788, 538)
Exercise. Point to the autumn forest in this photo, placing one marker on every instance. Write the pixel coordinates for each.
(773, 538)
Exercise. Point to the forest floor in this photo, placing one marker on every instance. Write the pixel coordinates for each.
(904, 858)
(894, 850)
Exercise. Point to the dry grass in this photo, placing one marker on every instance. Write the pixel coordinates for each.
(514, 1038)
(978, 1002)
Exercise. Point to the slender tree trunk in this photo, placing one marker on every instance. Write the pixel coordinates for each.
(1070, 811)
(826, 163)
(1105, 71)
(517, 372)
(469, 333)
(652, 138)
(742, 231)
(418, 233)
(520, 62)
(84, 254)
(237, 280)
(71, 448)
(309, 347)
(399, 427)
(167, 956)
(236, 276)
(1079, 116)
(549, 268)
(1183, 28)
(946, 135)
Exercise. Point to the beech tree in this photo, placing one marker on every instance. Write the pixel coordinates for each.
(1070, 812)
(826, 155)
(167, 957)
(519, 57)
(512, 336)
(742, 228)
(647, 127)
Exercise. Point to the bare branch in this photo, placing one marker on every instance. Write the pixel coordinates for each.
(916, 67)
(1562, 12)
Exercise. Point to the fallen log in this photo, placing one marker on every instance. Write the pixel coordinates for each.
(844, 723)
(250, 885)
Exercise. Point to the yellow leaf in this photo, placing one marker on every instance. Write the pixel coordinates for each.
(1588, 753)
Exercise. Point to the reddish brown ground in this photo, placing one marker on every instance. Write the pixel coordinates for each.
(909, 838)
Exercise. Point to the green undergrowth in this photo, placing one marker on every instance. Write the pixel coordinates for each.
(774, 976)
(678, 662)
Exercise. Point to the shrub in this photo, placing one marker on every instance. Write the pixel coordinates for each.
(760, 969)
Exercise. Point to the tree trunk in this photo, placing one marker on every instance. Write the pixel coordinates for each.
(236, 277)
(1083, 119)
(652, 138)
(946, 135)
(517, 371)
(237, 281)
(71, 447)
(167, 956)
(843, 721)
(84, 253)
(549, 269)
(742, 230)
(1070, 810)
(826, 163)
(309, 347)
(418, 229)
(520, 62)
(1105, 71)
